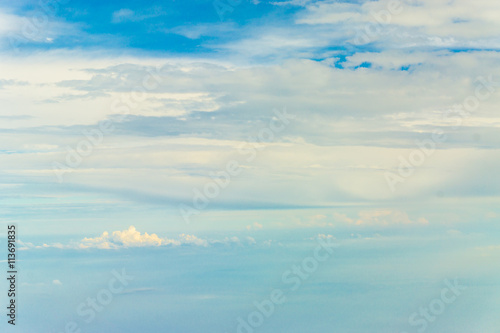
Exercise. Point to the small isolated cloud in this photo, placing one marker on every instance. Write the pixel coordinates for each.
(123, 15)
(323, 236)
(268, 243)
(128, 15)
(254, 226)
(138, 290)
(251, 240)
(57, 282)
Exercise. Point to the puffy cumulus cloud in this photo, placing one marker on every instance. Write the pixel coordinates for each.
(101, 242)
(131, 238)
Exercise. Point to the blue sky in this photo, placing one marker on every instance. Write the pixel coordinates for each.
(205, 147)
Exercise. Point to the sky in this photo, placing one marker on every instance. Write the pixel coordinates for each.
(206, 147)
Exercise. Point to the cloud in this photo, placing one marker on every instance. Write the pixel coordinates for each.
(346, 134)
(35, 27)
(123, 15)
(102, 242)
(379, 217)
(387, 22)
(324, 236)
(387, 218)
(342, 218)
(251, 240)
(318, 220)
(138, 290)
(376, 217)
(57, 282)
(489, 251)
(491, 215)
(203, 30)
(254, 226)
(128, 15)
(132, 238)
(190, 239)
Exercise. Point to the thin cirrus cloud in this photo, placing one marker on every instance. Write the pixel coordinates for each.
(129, 15)
(366, 218)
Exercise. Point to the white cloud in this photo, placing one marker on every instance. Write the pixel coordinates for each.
(251, 240)
(489, 251)
(325, 236)
(254, 226)
(419, 22)
(318, 220)
(379, 217)
(132, 238)
(36, 27)
(386, 218)
(128, 15)
(347, 133)
(102, 242)
(342, 218)
(191, 239)
(123, 15)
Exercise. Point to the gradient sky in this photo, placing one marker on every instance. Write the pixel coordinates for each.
(372, 122)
